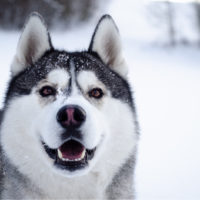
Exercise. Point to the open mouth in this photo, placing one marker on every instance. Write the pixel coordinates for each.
(71, 155)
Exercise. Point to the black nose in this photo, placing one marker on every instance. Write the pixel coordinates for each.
(71, 116)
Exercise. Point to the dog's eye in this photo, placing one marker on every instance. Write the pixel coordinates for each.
(47, 91)
(96, 93)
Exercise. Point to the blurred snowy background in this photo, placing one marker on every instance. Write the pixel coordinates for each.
(161, 42)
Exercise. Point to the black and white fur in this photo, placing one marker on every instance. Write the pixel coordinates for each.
(28, 119)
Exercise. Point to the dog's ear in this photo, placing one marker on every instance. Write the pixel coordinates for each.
(106, 43)
(33, 43)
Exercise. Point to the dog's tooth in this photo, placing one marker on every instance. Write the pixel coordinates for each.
(83, 154)
(60, 154)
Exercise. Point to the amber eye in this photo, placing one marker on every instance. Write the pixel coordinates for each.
(47, 91)
(96, 93)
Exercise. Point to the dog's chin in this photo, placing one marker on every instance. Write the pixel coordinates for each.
(71, 158)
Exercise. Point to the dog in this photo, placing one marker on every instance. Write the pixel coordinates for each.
(68, 127)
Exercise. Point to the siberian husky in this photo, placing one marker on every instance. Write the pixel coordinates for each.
(68, 126)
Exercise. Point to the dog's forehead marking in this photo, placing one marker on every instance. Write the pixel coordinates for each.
(88, 79)
(74, 87)
(59, 77)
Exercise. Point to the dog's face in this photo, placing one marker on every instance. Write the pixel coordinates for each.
(68, 111)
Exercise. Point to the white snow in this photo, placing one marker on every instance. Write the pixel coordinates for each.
(166, 82)
(167, 95)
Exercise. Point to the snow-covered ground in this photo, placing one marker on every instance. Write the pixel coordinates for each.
(166, 82)
(167, 92)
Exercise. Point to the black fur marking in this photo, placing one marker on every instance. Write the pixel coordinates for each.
(23, 83)
(117, 187)
(118, 86)
(1, 115)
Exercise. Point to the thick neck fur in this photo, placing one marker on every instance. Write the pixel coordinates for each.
(55, 187)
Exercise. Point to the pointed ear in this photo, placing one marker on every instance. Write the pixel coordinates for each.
(106, 43)
(33, 43)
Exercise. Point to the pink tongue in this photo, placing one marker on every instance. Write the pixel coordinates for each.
(71, 150)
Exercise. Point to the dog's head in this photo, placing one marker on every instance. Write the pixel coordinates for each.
(68, 110)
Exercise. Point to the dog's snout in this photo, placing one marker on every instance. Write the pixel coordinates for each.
(71, 116)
